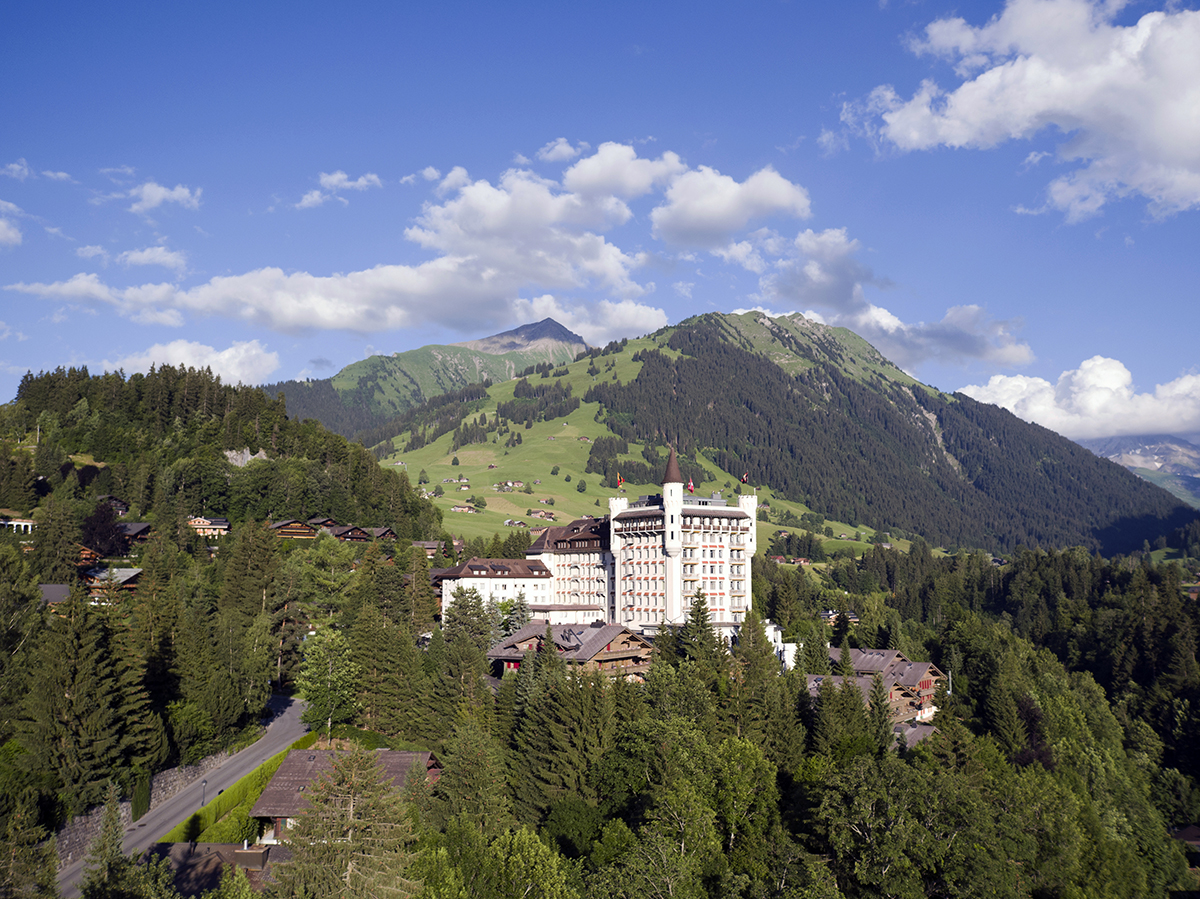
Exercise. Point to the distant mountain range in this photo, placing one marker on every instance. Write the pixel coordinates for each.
(1171, 462)
(366, 393)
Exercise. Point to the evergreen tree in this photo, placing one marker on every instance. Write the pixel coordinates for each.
(328, 680)
(472, 785)
(72, 724)
(28, 861)
(110, 874)
(880, 721)
(353, 839)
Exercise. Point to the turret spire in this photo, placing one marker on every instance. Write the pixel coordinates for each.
(672, 475)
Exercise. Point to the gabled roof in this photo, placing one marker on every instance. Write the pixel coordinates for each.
(581, 535)
(134, 529)
(497, 568)
(891, 663)
(285, 796)
(575, 642)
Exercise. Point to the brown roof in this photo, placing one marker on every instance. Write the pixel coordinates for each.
(672, 475)
(497, 568)
(582, 534)
(891, 663)
(285, 796)
(575, 642)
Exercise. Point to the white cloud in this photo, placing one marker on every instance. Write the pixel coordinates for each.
(118, 173)
(58, 176)
(339, 180)
(91, 252)
(1097, 399)
(705, 208)
(312, 198)
(684, 288)
(429, 173)
(457, 178)
(19, 170)
(822, 271)
(151, 195)
(560, 150)
(10, 208)
(1127, 96)
(247, 362)
(616, 169)
(10, 234)
(155, 256)
(598, 323)
(832, 142)
(148, 304)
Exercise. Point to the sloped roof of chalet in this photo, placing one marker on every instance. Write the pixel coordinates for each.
(496, 568)
(381, 533)
(286, 795)
(289, 521)
(813, 682)
(322, 520)
(134, 528)
(891, 663)
(672, 475)
(575, 642)
(52, 593)
(115, 575)
(911, 733)
(345, 530)
(572, 537)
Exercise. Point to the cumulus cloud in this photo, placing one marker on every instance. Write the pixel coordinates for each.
(598, 323)
(154, 256)
(151, 195)
(91, 252)
(339, 180)
(58, 176)
(147, 304)
(1126, 96)
(10, 234)
(19, 170)
(457, 178)
(704, 208)
(821, 270)
(684, 288)
(560, 150)
(616, 169)
(246, 362)
(312, 198)
(1098, 399)
(429, 173)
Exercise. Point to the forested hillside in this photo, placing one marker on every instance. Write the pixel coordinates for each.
(873, 450)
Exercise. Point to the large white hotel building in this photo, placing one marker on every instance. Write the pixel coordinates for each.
(639, 567)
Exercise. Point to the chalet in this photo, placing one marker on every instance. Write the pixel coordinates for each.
(100, 580)
(910, 734)
(902, 703)
(611, 649)
(514, 523)
(209, 527)
(431, 547)
(382, 533)
(119, 506)
(491, 465)
(284, 798)
(135, 531)
(88, 557)
(350, 534)
(469, 510)
(829, 616)
(294, 530)
(52, 594)
(322, 521)
(920, 679)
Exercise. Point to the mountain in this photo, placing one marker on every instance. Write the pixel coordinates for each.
(366, 393)
(815, 414)
(1171, 462)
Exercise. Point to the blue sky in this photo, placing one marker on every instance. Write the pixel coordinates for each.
(1002, 197)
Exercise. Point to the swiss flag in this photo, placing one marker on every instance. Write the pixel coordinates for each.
(691, 487)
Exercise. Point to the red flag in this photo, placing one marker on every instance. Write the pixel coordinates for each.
(691, 489)
(620, 480)
(746, 478)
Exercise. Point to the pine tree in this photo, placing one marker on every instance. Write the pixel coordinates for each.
(353, 840)
(423, 604)
(28, 861)
(880, 721)
(473, 784)
(72, 724)
(110, 874)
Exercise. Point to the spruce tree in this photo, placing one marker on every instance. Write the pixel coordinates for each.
(354, 838)
(473, 785)
(880, 721)
(28, 861)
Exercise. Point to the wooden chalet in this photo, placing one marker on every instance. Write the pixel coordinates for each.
(100, 581)
(382, 533)
(209, 527)
(88, 557)
(320, 521)
(920, 679)
(611, 649)
(431, 547)
(349, 533)
(285, 797)
(119, 506)
(902, 703)
(135, 531)
(294, 529)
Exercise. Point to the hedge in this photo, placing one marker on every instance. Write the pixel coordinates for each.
(198, 827)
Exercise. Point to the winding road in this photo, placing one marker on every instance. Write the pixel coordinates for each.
(285, 728)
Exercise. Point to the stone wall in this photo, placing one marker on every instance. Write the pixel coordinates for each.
(77, 834)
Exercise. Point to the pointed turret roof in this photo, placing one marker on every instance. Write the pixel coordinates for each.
(672, 475)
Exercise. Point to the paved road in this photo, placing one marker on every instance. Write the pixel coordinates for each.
(284, 729)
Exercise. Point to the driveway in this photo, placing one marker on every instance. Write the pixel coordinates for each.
(285, 728)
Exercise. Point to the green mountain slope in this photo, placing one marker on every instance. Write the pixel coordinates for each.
(816, 415)
(377, 388)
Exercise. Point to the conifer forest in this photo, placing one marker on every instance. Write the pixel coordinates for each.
(1063, 758)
